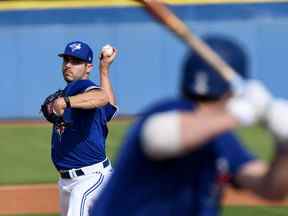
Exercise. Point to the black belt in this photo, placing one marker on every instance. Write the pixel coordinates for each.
(65, 174)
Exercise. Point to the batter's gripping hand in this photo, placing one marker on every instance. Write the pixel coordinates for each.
(251, 105)
(47, 108)
(277, 119)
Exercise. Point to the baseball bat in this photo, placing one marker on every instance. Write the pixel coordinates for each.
(160, 11)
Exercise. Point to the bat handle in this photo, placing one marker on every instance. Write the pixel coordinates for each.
(237, 83)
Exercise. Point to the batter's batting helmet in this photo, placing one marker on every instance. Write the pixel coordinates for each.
(200, 81)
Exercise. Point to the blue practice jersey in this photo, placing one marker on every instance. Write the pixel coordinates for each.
(82, 142)
(187, 185)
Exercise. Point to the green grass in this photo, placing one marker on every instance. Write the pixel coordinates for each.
(258, 140)
(25, 150)
(254, 211)
(25, 154)
(117, 130)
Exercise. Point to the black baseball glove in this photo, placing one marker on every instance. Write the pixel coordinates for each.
(47, 110)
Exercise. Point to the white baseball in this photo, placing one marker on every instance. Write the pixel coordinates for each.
(107, 50)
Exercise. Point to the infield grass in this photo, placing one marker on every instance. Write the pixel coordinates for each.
(254, 211)
(25, 150)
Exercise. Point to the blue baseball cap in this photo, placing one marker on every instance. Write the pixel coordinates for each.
(78, 49)
(200, 80)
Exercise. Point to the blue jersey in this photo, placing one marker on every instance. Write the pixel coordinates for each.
(186, 185)
(82, 142)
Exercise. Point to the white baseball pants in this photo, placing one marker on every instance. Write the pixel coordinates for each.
(78, 194)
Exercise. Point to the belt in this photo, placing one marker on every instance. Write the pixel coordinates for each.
(72, 173)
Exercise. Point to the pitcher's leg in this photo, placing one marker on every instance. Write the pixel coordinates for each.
(64, 197)
(86, 191)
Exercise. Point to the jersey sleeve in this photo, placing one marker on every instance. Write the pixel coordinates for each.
(80, 86)
(230, 148)
(110, 111)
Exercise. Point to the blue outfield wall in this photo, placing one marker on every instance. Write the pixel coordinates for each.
(150, 57)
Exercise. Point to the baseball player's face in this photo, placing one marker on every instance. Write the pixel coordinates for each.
(75, 69)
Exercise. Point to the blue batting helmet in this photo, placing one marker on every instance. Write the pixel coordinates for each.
(201, 81)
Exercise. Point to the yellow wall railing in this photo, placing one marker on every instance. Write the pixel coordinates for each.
(50, 4)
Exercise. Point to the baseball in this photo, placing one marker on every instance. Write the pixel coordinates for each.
(107, 50)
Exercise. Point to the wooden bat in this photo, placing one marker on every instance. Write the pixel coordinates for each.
(170, 20)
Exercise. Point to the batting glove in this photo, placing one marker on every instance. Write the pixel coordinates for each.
(277, 119)
(250, 106)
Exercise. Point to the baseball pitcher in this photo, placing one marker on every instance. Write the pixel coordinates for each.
(80, 114)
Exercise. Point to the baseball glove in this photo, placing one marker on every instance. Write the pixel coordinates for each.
(47, 110)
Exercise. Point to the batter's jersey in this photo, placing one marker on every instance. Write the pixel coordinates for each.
(187, 185)
(82, 142)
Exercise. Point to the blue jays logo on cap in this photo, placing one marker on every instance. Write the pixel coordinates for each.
(75, 46)
(78, 49)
